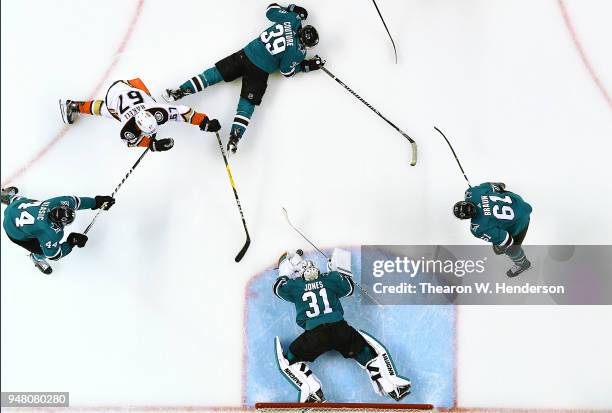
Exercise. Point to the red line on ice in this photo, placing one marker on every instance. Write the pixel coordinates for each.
(103, 79)
(582, 53)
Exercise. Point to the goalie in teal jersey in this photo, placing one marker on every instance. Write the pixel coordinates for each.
(319, 312)
(281, 47)
(500, 217)
(38, 226)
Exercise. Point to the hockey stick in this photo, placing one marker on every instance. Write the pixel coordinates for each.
(386, 28)
(455, 155)
(116, 189)
(229, 173)
(405, 135)
(364, 292)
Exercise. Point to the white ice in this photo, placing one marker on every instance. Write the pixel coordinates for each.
(150, 313)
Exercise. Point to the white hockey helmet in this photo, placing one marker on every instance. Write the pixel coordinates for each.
(146, 122)
(309, 271)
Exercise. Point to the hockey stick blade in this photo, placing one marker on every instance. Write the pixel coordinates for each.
(454, 154)
(246, 245)
(244, 249)
(413, 161)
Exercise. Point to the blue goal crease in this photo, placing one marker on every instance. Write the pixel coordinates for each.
(420, 340)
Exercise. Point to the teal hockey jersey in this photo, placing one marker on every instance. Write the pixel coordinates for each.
(29, 219)
(278, 47)
(499, 213)
(316, 302)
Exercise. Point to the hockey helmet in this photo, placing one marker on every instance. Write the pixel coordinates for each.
(146, 122)
(309, 271)
(464, 210)
(309, 36)
(62, 215)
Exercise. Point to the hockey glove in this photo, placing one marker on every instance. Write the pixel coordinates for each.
(312, 64)
(77, 240)
(499, 186)
(232, 145)
(104, 202)
(210, 125)
(499, 250)
(300, 11)
(161, 145)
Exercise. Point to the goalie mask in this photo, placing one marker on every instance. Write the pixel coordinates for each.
(464, 210)
(146, 122)
(309, 271)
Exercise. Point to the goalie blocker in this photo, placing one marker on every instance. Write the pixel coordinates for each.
(318, 310)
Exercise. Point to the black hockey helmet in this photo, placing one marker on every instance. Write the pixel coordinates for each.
(464, 210)
(308, 36)
(62, 215)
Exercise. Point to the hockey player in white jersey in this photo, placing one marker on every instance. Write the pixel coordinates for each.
(318, 311)
(129, 102)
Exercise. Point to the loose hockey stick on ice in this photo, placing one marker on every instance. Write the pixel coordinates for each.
(364, 292)
(229, 173)
(116, 189)
(386, 28)
(404, 134)
(455, 155)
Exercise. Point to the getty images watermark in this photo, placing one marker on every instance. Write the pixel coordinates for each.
(455, 274)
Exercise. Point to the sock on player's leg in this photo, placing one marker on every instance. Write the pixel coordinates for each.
(244, 111)
(201, 81)
(516, 254)
(91, 107)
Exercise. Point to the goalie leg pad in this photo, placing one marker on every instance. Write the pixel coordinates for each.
(383, 373)
(300, 375)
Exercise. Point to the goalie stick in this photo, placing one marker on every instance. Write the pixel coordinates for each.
(386, 28)
(116, 189)
(373, 109)
(364, 292)
(229, 173)
(455, 155)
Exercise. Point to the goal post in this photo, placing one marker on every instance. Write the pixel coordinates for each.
(342, 408)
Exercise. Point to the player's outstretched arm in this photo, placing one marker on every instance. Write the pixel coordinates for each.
(279, 14)
(55, 250)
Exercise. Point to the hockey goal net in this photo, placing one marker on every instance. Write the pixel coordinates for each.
(342, 408)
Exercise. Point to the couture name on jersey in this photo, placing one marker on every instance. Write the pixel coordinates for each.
(288, 33)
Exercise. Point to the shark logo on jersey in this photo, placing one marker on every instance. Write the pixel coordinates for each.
(474, 227)
(468, 194)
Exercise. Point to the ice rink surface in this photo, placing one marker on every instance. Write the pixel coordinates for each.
(151, 312)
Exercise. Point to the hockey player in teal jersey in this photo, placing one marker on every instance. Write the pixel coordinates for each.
(281, 47)
(319, 312)
(500, 217)
(38, 226)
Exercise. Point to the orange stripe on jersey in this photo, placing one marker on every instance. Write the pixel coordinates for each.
(145, 142)
(138, 84)
(197, 118)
